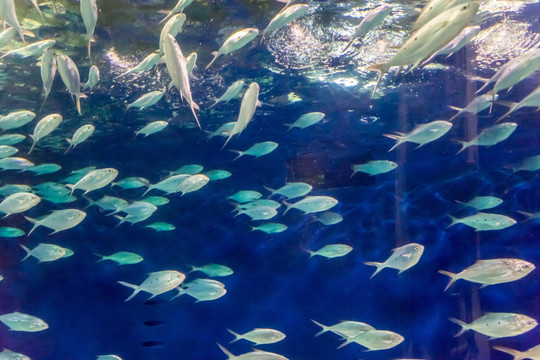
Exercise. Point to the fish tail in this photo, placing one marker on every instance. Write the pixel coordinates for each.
(324, 328)
(227, 352)
(269, 189)
(72, 187)
(33, 144)
(347, 342)
(134, 287)
(169, 15)
(147, 190)
(453, 278)
(27, 252)
(69, 147)
(122, 220)
(527, 214)
(379, 266)
(512, 105)
(211, 62)
(33, 221)
(194, 106)
(240, 154)
(101, 256)
(226, 141)
(381, 69)
(518, 355)
(289, 206)
(455, 220)
(180, 292)
(398, 138)
(236, 336)
(464, 326)
(464, 145)
(78, 103)
(89, 50)
(43, 103)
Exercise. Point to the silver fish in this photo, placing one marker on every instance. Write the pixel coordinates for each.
(45, 252)
(17, 321)
(144, 65)
(231, 93)
(498, 325)
(71, 78)
(89, 13)
(48, 72)
(44, 127)
(402, 258)
(147, 100)
(172, 27)
(248, 106)
(179, 7)
(157, 283)
(234, 42)
(93, 78)
(33, 49)
(284, 17)
(18, 202)
(422, 134)
(369, 22)
(532, 353)
(490, 136)
(59, 220)
(80, 135)
(95, 179)
(152, 128)
(259, 336)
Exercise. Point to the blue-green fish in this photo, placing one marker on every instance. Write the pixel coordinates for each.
(9, 189)
(312, 204)
(122, 258)
(109, 357)
(490, 136)
(270, 228)
(161, 226)
(156, 200)
(329, 218)
(498, 325)
(482, 202)
(133, 182)
(190, 169)
(232, 92)
(306, 120)
(374, 167)
(213, 270)
(147, 100)
(331, 251)
(291, 190)
(259, 202)
(484, 221)
(422, 134)
(152, 128)
(218, 174)
(244, 196)
(531, 163)
(7, 150)
(107, 203)
(10, 232)
(258, 149)
(156, 283)
(224, 130)
(531, 100)
(11, 139)
(16, 119)
(285, 16)
(17, 321)
(373, 19)
(402, 258)
(43, 169)
(234, 42)
(15, 163)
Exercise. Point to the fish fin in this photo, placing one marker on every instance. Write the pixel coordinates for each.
(101, 256)
(216, 55)
(27, 252)
(379, 266)
(240, 154)
(33, 144)
(227, 352)
(311, 253)
(324, 328)
(381, 69)
(518, 355)
(122, 220)
(453, 278)
(194, 106)
(289, 206)
(463, 325)
(527, 214)
(464, 145)
(455, 220)
(397, 137)
(134, 287)
(147, 190)
(33, 221)
(347, 342)
(456, 108)
(270, 189)
(78, 104)
(484, 285)
(72, 187)
(509, 104)
(180, 292)
(236, 336)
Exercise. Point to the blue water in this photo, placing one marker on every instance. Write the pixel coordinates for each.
(274, 284)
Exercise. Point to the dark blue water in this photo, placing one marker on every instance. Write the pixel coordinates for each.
(274, 284)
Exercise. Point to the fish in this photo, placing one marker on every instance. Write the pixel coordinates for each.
(80, 135)
(374, 167)
(532, 353)
(89, 13)
(133, 182)
(202, 290)
(232, 92)
(402, 258)
(177, 67)
(259, 202)
(179, 7)
(192, 183)
(10, 232)
(270, 228)
(18, 202)
(234, 42)
(482, 202)
(191, 169)
(307, 120)
(168, 185)
(477, 105)
(107, 203)
(71, 78)
(136, 212)
(7, 36)
(258, 212)
(172, 27)
(422, 134)
(15, 163)
(531, 100)
(218, 174)
(490, 136)
(244, 196)
(9, 16)
(254, 355)
(156, 200)
(373, 19)
(11, 355)
(93, 78)
(147, 100)
(248, 106)
(213, 270)
(44, 252)
(44, 127)
(122, 258)
(285, 17)
(58, 220)
(191, 60)
(376, 339)
(16, 119)
(498, 325)
(145, 65)
(259, 336)
(331, 251)
(346, 328)
(156, 283)
(312, 204)
(42, 169)
(257, 150)
(493, 271)
(7, 150)
(224, 130)
(435, 8)
(531, 163)
(34, 49)
(95, 179)
(429, 38)
(9, 189)
(48, 73)
(109, 357)
(329, 218)
(17, 321)
(161, 226)
(11, 139)
(462, 39)
(291, 190)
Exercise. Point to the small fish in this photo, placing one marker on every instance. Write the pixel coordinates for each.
(202, 290)
(376, 339)
(44, 127)
(10, 232)
(33, 49)
(232, 92)
(422, 134)
(144, 65)
(402, 258)
(482, 202)
(107, 203)
(9, 16)
(254, 355)
(477, 105)
(218, 174)
(71, 78)
(11, 355)
(234, 42)
(259, 336)
(16, 119)
(248, 106)
(172, 27)
(17, 321)
(433, 9)
(122, 258)
(531, 163)
(270, 228)
(490, 136)
(484, 221)
(11, 139)
(329, 218)
(169, 185)
(109, 357)
(191, 60)
(213, 270)
(462, 39)
(192, 183)
(373, 19)
(191, 169)
(374, 167)
(306, 120)
(9, 189)
(244, 196)
(312, 204)
(95, 179)
(157, 283)
(498, 325)
(43, 169)
(161, 226)
(493, 271)
(259, 202)
(531, 100)
(82, 133)
(7, 150)
(156, 200)
(152, 128)
(48, 72)
(147, 100)
(45, 252)
(93, 78)
(258, 212)
(7, 36)
(331, 251)
(137, 209)
(291, 190)
(131, 182)
(153, 344)
(224, 130)
(179, 7)
(533, 353)
(59, 220)
(347, 328)
(258, 149)
(155, 323)
(89, 13)
(15, 163)
(285, 16)
(19, 202)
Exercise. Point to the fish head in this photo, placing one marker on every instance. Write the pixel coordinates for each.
(525, 323)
